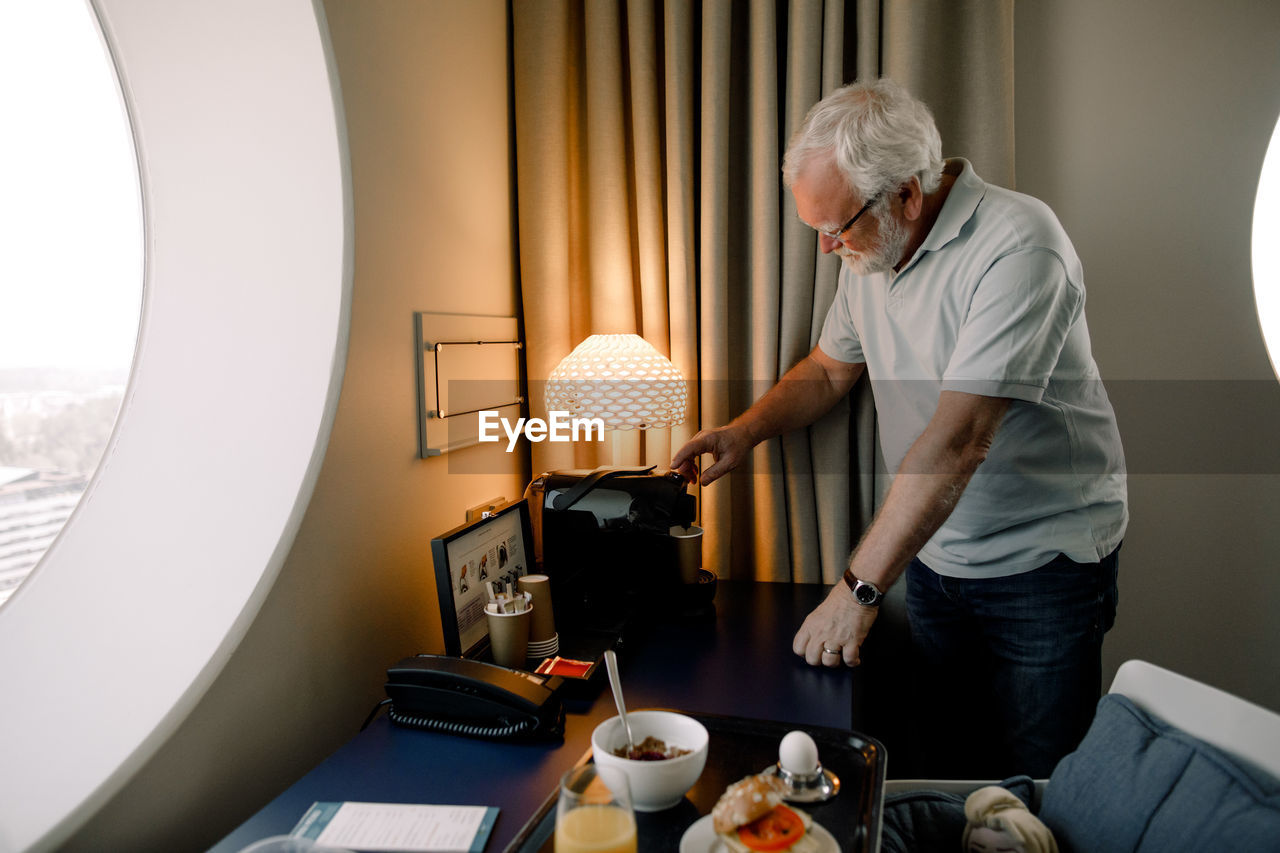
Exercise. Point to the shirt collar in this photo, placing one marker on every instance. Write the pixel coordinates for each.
(961, 202)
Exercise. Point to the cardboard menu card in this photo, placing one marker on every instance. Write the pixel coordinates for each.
(398, 827)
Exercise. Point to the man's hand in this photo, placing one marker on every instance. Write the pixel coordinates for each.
(728, 446)
(804, 394)
(839, 624)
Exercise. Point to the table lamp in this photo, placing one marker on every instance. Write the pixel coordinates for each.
(630, 386)
(621, 379)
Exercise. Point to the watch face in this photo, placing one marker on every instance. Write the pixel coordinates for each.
(866, 593)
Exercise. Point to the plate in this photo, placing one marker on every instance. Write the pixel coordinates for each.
(701, 838)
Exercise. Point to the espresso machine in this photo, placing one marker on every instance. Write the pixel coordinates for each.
(610, 539)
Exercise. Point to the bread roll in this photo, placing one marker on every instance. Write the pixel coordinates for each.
(746, 800)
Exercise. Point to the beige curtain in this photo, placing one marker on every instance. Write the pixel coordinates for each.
(648, 138)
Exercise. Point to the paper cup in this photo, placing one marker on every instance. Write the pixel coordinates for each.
(538, 587)
(509, 636)
(537, 652)
(688, 551)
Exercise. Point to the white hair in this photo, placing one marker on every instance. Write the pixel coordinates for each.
(877, 133)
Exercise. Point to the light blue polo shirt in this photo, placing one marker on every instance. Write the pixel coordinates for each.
(992, 303)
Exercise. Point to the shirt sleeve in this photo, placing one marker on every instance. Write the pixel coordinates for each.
(839, 338)
(1015, 328)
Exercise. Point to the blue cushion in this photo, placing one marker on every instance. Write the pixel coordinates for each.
(927, 821)
(1138, 784)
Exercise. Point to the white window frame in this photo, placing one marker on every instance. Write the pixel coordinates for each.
(1266, 251)
(116, 635)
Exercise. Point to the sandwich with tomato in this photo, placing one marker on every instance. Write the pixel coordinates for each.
(751, 816)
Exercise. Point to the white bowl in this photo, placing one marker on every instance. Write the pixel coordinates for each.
(655, 785)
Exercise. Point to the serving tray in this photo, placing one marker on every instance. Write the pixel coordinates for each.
(739, 747)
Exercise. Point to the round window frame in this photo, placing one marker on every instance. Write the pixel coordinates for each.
(1266, 251)
(244, 172)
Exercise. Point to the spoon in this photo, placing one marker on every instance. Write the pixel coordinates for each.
(611, 664)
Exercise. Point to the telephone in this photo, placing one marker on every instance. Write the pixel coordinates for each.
(469, 697)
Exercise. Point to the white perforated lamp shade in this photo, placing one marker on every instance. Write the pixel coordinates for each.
(620, 379)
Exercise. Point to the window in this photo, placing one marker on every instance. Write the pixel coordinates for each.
(1266, 257)
(144, 596)
(71, 259)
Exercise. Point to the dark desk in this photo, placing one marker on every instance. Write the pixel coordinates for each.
(739, 664)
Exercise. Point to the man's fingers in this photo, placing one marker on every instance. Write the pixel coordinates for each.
(687, 457)
(684, 457)
(800, 644)
(816, 652)
(725, 446)
(725, 461)
(687, 469)
(807, 643)
(715, 472)
(833, 654)
(831, 635)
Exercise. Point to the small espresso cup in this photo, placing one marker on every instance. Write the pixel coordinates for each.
(688, 551)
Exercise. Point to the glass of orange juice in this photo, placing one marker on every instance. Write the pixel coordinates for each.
(594, 814)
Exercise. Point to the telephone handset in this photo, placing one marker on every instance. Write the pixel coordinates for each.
(469, 697)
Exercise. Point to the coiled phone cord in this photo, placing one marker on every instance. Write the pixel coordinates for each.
(455, 727)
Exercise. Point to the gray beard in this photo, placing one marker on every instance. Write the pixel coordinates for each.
(891, 237)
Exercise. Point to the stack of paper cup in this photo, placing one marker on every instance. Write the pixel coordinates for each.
(543, 639)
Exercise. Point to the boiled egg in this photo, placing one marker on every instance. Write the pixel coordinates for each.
(798, 754)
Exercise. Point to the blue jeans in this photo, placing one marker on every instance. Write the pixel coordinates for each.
(1010, 668)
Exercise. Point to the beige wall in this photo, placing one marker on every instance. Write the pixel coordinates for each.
(1143, 124)
(425, 94)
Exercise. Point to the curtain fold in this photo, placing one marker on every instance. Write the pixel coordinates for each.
(649, 136)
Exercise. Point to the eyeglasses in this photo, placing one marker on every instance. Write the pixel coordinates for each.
(835, 235)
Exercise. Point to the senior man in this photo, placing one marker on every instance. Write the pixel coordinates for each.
(964, 304)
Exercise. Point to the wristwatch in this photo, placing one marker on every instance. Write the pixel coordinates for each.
(866, 594)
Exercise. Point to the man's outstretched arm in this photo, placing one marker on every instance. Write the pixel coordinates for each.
(805, 393)
(929, 483)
